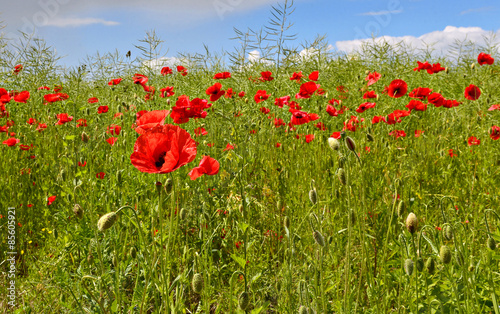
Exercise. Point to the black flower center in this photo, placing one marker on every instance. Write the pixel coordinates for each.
(161, 160)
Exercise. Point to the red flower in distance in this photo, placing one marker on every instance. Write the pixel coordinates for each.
(436, 68)
(436, 99)
(282, 101)
(336, 135)
(51, 199)
(208, 166)
(495, 133)
(483, 58)
(398, 133)
(296, 77)
(473, 141)
(114, 129)
(241, 94)
(11, 142)
(309, 138)
(420, 93)
(228, 147)
(115, 81)
(301, 117)
(307, 90)
(396, 89)
(451, 153)
(372, 78)
(18, 68)
(112, 140)
(167, 92)
(494, 107)
(55, 97)
(200, 131)
(31, 121)
(266, 76)
(43, 88)
(369, 95)
(364, 106)
(416, 105)
(163, 149)
(81, 123)
(222, 76)
(93, 100)
(165, 70)
(418, 133)
(185, 109)
(377, 119)
(140, 79)
(182, 70)
(63, 118)
(314, 76)
(264, 110)
(229, 93)
(100, 175)
(102, 109)
(472, 92)
(215, 91)
(82, 164)
(260, 96)
(22, 97)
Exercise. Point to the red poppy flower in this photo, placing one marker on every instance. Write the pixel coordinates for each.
(182, 70)
(422, 66)
(210, 144)
(115, 81)
(55, 97)
(420, 93)
(264, 110)
(81, 123)
(93, 100)
(495, 132)
(112, 140)
(31, 121)
(41, 127)
(483, 58)
(436, 68)
(372, 78)
(100, 175)
(185, 109)
(398, 133)
(369, 94)
(114, 129)
(418, 133)
(200, 131)
(307, 90)
(215, 91)
(332, 111)
(140, 79)
(165, 70)
(296, 76)
(364, 106)
(57, 88)
(51, 199)
(43, 88)
(11, 142)
(260, 96)
(321, 126)
(18, 68)
(241, 94)
(63, 118)
(118, 115)
(278, 145)
(473, 141)
(377, 119)
(208, 166)
(472, 92)
(450, 103)
(229, 93)
(314, 76)
(282, 101)
(451, 153)
(352, 124)
(396, 89)
(301, 117)
(22, 97)
(278, 122)
(266, 76)
(336, 135)
(436, 99)
(494, 107)
(102, 109)
(222, 76)
(228, 147)
(309, 138)
(163, 149)
(416, 105)
(82, 164)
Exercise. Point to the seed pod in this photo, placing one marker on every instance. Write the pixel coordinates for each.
(446, 70)
(448, 232)
(244, 300)
(401, 208)
(78, 211)
(409, 267)
(342, 160)
(106, 221)
(352, 216)
(411, 223)
(197, 283)
(85, 137)
(303, 310)
(333, 143)
(133, 252)
(313, 196)
(342, 176)
(420, 264)
(169, 185)
(492, 245)
(286, 222)
(430, 265)
(445, 254)
(318, 237)
(369, 137)
(350, 144)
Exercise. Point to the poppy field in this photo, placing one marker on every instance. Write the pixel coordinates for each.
(347, 184)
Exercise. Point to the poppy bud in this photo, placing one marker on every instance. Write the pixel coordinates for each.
(492, 245)
(133, 252)
(106, 221)
(350, 144)
(116, 97)
(119, 176)
(158, 186)
(85, 137)
(286, 222)
(445, 254)
(183, 214)
(448, 232)
(472, 66)
(197, 283)
(78, 211)
(420, 264)
(114, 260)
(244, 300)
(369, 137)
(318, 237)
(446, 70)
(169, 185)
(313, 196)
(409, 267)
(168, 101)
(401, 208)
(411, 223)
(367, 72)
(342, 176)
(342, 160)
(246, 100)
(352, 216)
(333, 143)
(430, 265)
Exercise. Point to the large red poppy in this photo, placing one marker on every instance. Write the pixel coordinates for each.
(163, 149)
(307, 90)
(215, 91)
(150, 119)
(396, 89)
(55, 97)
(484, 58)
(364, 106)
(472, 92)
(208, 166)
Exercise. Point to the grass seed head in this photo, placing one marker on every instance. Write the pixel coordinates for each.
(369, 137)
(411, 223)
(352, 216)
(342, 176)
(401, 208)
(445, 254)
(197, 283)
(318, 237)
(313, 196)
(85, 137)
(492, 244)
(409, 267)
(244, 300)
(78, 211)
(106, 221)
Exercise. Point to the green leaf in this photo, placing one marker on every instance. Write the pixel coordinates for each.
(114, 306)
(69, 137)
(243, 226)
(238, 260)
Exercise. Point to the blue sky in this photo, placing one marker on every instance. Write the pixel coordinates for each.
(80, 28)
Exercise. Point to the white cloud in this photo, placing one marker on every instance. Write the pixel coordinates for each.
(477, 10)
(158, 64)
(441, 41)
(76, 21)
(377, 13)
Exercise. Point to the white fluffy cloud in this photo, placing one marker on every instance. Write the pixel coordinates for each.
(75, 22)
(441, 41)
